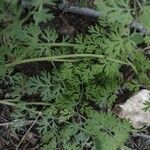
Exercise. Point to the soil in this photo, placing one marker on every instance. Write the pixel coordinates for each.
(65, 24)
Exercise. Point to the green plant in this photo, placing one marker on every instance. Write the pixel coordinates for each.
(85, 81)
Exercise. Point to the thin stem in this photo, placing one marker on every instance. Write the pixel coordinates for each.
(15, 121)
(59, 44)
(62, 57)
(12, 102)
(7, 102)
(141, 135)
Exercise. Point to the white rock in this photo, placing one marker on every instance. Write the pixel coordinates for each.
(132, 109)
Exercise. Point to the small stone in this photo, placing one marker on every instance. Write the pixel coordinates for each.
(133, 110)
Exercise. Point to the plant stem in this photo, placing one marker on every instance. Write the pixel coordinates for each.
(63, 57)
(13, 122)
(12, 102)
(60, 44)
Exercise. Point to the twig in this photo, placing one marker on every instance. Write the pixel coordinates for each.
(141, 135)
(81, 11)
(28, 131)
(94, 13)
(135, 144)
(146, 48)
(13, 122)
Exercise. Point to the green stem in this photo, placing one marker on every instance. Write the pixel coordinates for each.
(7, 103)
(59, 44)
(62, 57)
(12, 102)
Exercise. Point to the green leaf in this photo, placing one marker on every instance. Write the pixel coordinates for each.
(147, 106)
(102, 95)
(132, 86)
(3, 70)
(144, 18)
(115, 11)
(42, 15)
(137, 38)
(147, 39)
(45, 85)
(38, 3)
(109, 130)
(49, 36)
(97, 144)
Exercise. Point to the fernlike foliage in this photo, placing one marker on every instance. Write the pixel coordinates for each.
(84, 82)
